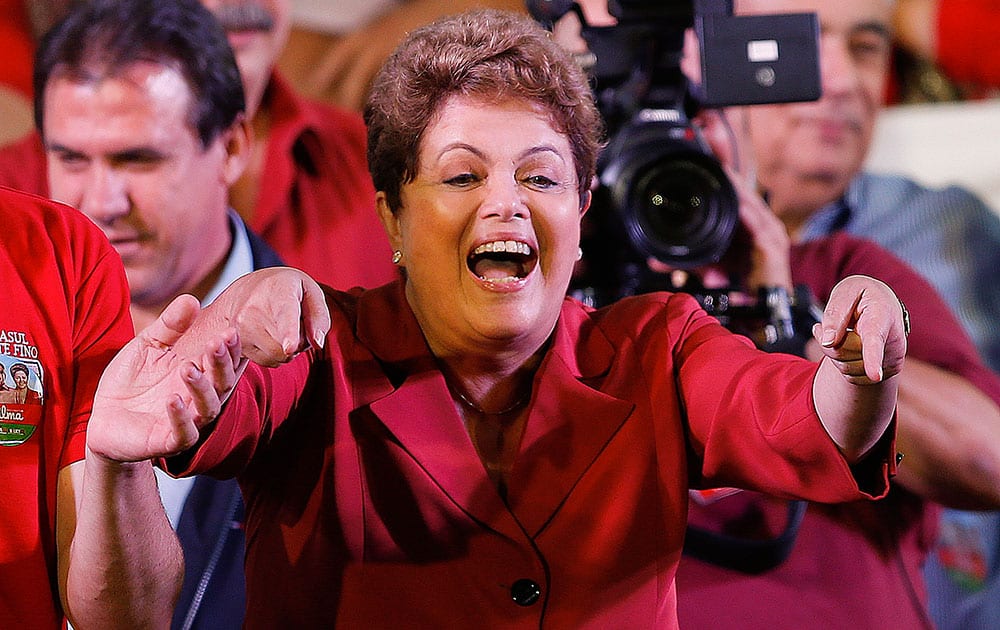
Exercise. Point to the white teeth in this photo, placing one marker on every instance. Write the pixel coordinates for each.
(513, 247)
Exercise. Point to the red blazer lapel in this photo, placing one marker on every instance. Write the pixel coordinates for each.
(421, 415)
(570, 422)
(569, 427)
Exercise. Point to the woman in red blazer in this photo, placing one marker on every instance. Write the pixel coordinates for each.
(467, 447)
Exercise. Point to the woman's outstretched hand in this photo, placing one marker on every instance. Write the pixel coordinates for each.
(864, 330)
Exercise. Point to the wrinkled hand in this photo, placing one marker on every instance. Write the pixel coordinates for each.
(150, 401)
(277, 313)
(863, 330)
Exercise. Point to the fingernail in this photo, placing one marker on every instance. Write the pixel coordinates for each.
(828, 337)
(319, 338)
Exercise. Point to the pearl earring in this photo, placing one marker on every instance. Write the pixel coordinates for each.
(396, 257)
(579, 253)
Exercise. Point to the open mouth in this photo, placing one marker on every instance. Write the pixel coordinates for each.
(502, 261)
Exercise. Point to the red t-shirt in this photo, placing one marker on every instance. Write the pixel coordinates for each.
(855, 565)
(64, 314)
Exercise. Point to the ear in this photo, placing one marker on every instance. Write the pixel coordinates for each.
(585, 202)
(389, 221)
(237, 142)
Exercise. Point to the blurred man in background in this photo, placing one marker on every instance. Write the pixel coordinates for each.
(140, 107)
(810, 159)
(305, 189)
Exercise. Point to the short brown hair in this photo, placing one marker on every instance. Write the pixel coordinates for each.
(483, 53)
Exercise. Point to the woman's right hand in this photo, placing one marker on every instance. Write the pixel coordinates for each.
(277, 312)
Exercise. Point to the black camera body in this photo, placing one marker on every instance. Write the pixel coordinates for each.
(662, 193)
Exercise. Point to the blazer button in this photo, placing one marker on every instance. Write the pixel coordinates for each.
(525, 592)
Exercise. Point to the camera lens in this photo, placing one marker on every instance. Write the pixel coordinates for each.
(675, 201)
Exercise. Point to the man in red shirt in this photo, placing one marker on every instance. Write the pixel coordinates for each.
(65, 548)
(146, 145)
(306, 189)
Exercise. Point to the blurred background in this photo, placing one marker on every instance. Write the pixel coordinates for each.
(942, 126)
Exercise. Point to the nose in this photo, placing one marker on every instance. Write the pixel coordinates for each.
(104, 197)
(504, 199)
(838, 72)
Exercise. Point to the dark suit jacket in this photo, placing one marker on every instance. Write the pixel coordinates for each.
(211, 533)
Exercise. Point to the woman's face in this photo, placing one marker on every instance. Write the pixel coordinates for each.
(489, 228)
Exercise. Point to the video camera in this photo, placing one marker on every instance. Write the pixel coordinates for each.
(662, 193)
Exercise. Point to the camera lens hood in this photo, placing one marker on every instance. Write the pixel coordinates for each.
(671, 194)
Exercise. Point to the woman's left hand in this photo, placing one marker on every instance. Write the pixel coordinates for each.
(153, 402)
(864, 330)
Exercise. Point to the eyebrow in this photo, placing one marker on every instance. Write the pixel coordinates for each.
(462, 146)
(874, 27)
(55, 147)
(541, 148)
(137, 154)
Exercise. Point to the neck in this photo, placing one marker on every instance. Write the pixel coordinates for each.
(145, 312)
(793, 225)
(255, 92)
(515, 406)
(806, 196)
(495, 420)
(491, 391)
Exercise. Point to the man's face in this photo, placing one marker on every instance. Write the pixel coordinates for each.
(807, 153)
(258, 31)
(122, 149)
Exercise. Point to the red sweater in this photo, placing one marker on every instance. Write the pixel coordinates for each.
(854, 565)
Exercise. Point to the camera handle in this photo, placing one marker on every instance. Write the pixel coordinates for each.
(790, 319)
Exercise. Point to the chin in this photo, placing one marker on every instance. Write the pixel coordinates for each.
(144, 287)
(506, 324)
